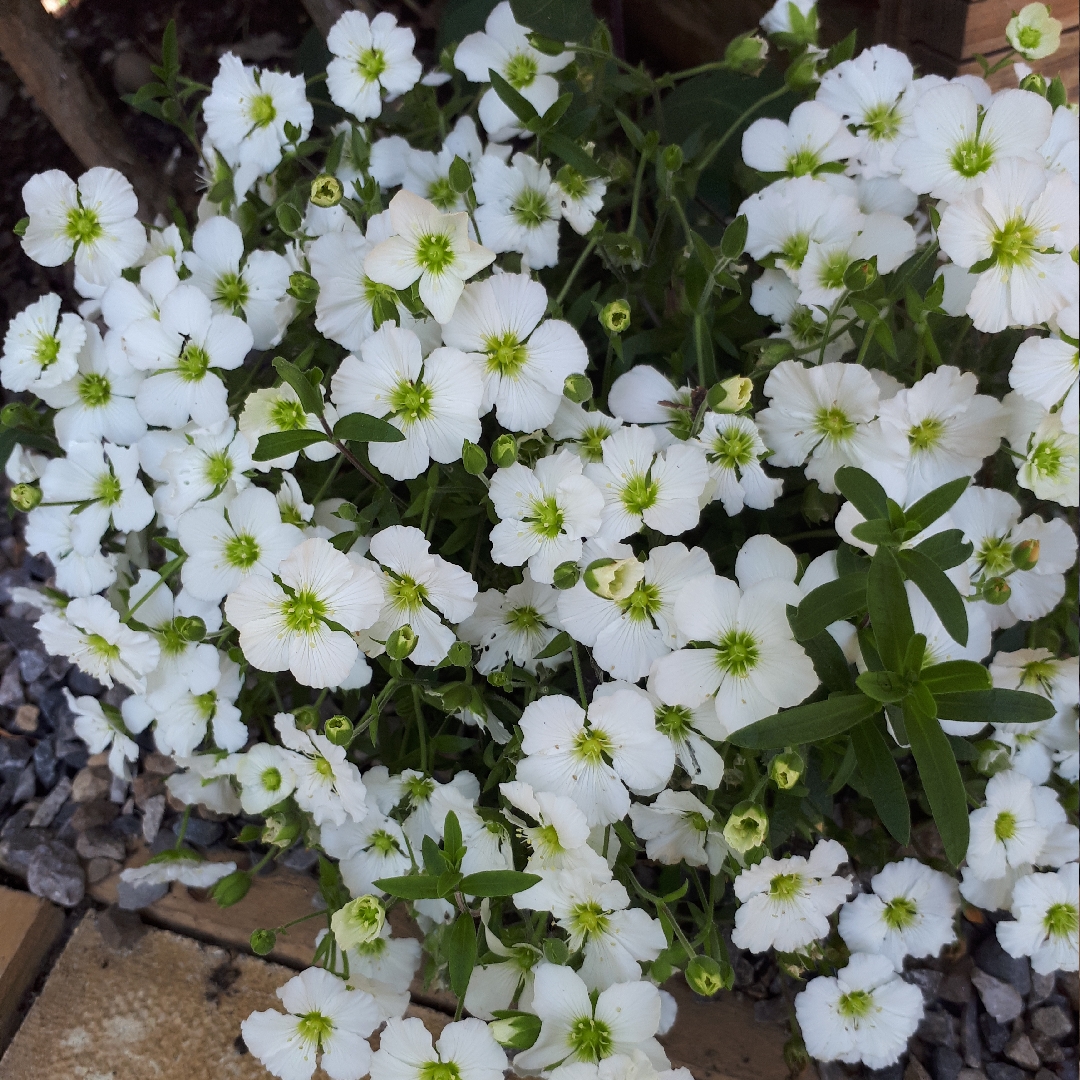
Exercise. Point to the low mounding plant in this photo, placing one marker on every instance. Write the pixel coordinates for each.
(576, 531)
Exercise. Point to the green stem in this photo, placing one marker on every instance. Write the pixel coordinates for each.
(580, 676)
(586, 252)
(420, 728)
(718, 145)
(636, 199)
(182, 831)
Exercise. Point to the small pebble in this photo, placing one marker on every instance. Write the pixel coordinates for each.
(119, 928)
(1022, 1053)
(947, 1063)
(1052, 1021)
(1002, 1000)
(99, 843)
(50, 806)
(26, 786)
(90, 784)
(1050, 1053)
(153, 812)
(99, 869)
(132, 896)
(999, 1070)
(26, 719)
(994, 960)
(995, 1035)
(938, 1028)
(55, 873)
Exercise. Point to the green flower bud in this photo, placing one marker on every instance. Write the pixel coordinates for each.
(460, 654)
(474, 458)
(25, 497)
(795, 1056)
(746, 54)
(785, 769)
(232, 889)
(358, 922)
(1025, 555)
(307, 717)
(280, 832)
(401, 642)
(566, 575)
(517, 1032)
(191, 628)
(613, 579)
(707, 978)
(774, 352)
(498, 678)
(504, 451)
(746, 828)
(860, 275)
(615, 317)
(457, 695)
(672, 158)
(1035, 83)
(578, 387)
(993, 758)
(802, 73)
(303, 287)
(556, 950)
(263, 942)
(339, 730)
(17, 414)
(736, 395)
(997, 591)
(326, 190)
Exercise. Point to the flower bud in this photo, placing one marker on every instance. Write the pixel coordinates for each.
(459, 655)
(474, 458)
(802, 73)
(1025, 555)
(232, 888)
(556, 950)
(746, 54)
(1034, 83)
(280, 832)
(613, 579)
(504, 451)
(997, 591)
(795, 1056)
(736, 396)
(706, 977)
(191, 628)
(566, 575)
(358, 922)
(456, 696)
(401, 642)
(263, 942)
(307, 717)
(746, 828)
(289, 218)
(516, 1032)
(785, 769)
(860, 275)
(326, 190)
(17, 414)
(578, 387)
(993, 758)
(25, 497)
(615, 317)
(672, 157)
(303, 287)
(339, 730)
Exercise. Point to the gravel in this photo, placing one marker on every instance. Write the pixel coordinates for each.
(55, 873)
(1002, 1001)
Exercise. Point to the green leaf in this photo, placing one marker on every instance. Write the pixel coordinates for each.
(939, 772)
(828, 659)
(937, 502)
(571, 152)
(883, 686)
(359, 427)
(829, 603)
(863, 492)
(275, 444)
(947, 549)
(460, 175)
(890, 615)
(496, 883)
(807, 723)
(453, 848)
(559, 643)
(518, 105)
(310, 398)
(877, 531)
(733, 242)
(564, 20)
(939, 590)
(882, 777)
(461, 953)
(411, 887)
(633, 132)
(955, 676)
(994, 706)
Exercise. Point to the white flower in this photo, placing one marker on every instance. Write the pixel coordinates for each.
(623, 1018)
(515, 625)
(580, 198)
(751, 664)
(1061, 151)
(519, 208)
(545, 513)
(524, 362)
(644, 486)
(590, 758)
(814, 136)
(504, 47)
(643, 395)
(95, 220)
(733, 450)
(277, 408)
(282, 630)
(910, 913)
(1046, 369)
(775, 295)
(181, 865)
(372, 61)
(428, 174)
(777, 20)
(1024, 221)
(204, 780)
(434, 402)
(508, 978)
(246, 113)
(627, 634)
(1034, 33)
(41, 347)
(266, 777)
(430, 247)
(225, 546)
(465, 1050)
(786, 903)
(677, 827)
(254, 288)
(367, 851)
(1045, 908)
(123, 301)
(103, 731)
(326, 1023)
(387, 960)
(582, 431)
(955, 143)
(81, 567)
(866, 1013)
(1051, 466)
(89, 633)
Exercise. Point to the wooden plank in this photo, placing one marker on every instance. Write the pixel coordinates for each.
(28, 928)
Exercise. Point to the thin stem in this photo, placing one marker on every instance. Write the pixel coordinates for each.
(329, 479)
(580, 676)
(716, 147)
(586, 252)
(420, 728)
(355, 463)
(182, 831)
(636, 198)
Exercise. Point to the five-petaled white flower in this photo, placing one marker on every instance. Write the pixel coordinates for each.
(373, 61)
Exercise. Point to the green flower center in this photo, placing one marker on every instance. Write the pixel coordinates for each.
(313, 1027)
(206, 704)
(521, 70)
(573, 183)
(589, 918)
(173, 642)
(1029, 38)
(855, 1004)
(506, 355)
(804, 329)
(375, 947)
(640, 494)
(232, 291)
(411, 401)
(94, 390)
(784, 887)
(1038, 673)
(590, 746)
(591, 442)
(383, 842)
(418, 789)
(926, 434)
(288, 415)
(972, 157)
(303, 612)
(546, 517)
(1061, 920)
(732, 449)
(434, 253)
(546, 839)
(83, 225)
(1005, 826)
(674, 721)
(590, 1039)
(833, 269)
(242, 551)
(193, 363)
(995, 555)
(833, 424)
(525, 620)
(737, 653)
(1013, 243)
(270, 779)
(803, 163)
(900, 913)
(47, 351)
(442, 194)
(531, 208)
(439, 1070)
(218, 468)
(882, 122)
(794, 249)
(261, 111)
(371, 64)
(1047, 459)
(108, 489)
(696, 821)
(642, 603)
(324, 768)
(102, 647)
(406, 594)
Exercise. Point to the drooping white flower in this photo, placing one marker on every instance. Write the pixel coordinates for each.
(1046, 369)
(466, 1050)
(677, 827)
(525, 362)
(326, 1023)
(777, 20)
(282, 630)
(81, 567)
(102, 731)
(1061, 151)
(786, 903)
(910, 912)
(266, 777)
(205, 780)
(580, 198)
(94, 220)
(1045, 907)
(434, 402)
(373, 61)
(1051, 465)
(519, 208)
(41, 347)
(814, 136)
(385, 959)
(865, 1013)
(182, 865)
(503, 46)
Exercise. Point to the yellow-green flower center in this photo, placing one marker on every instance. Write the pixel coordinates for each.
(47, 350)
(642, 603)
(546, 517)
(785, 887)
(994, 555)
(972, 157)
(261, 111)
(794, 249)
(1061, 920)
(270, 779)
(83, 225)
(303, 612)
(855, 1004)
(521, 70)
(242, 551)
(674, 721)
(313, 1027)
(218, 469)
(737, 653)
(732, 449)
(505, 354)
(1013, 244)
(439, 1070)
(231, 290)
(108, 489)
(406, 594)
(882, 122)
(588, 918)
(193, 363)
(590, 746)
(288, 415)
(102, 647)
(1005, 826)
(525, 619)
(833, 424)
(926, 434)
(530, 207)
(640, 494)
(371, 64)
(383, 842)
(590, 1039)
(94, 390)
(900, 912)
(435, 253)
(803, 162)
(411, 401)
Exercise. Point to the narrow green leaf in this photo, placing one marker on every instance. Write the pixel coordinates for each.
(361, 428)
(955, 676)
(310, 398)
(411, 887)
(890, 615)
(275, 444)
(862, 491)
(947, 549)
(829, 603)
(829, 660)
(453, 848)
(461, 953)
(733, 242)
(496, 883)
(937, 502)
(518, 105)
(882, 777)
(883, 686)
(807, 723)
(570, 151)
(559, 643)
(939, 590)
(633, 132)
(843, 774)
(877, 531)
(994, 706)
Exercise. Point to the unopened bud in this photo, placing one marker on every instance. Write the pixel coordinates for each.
(401, 643)
(746, 828)
(25, 497)
(504, 451)
(737, 391)
(556, 951)
(997, 591)
(746, 53)
(566, 575)
(1035, 83)
(615, 317)
(706, 977)
(307, 717)
(860, 275)
(578, 387)
(672, 157)
(460, 654)
(474, 458)
(775, 352)
(263, 942)
(280, 832)
(326, 190)
(516, 1032)
(232, 888)
(613, 579)
(339, 730)
(785, 769)
(16, 414)
(1025, 555)
(802, 72)
(303, 287)
(795, 1056)
(191, 628)
(994, 758)
(358, 922)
